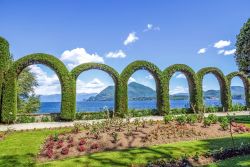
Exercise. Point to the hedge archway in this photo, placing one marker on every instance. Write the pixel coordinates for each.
(224, 87)
(103, 67)
(123, 87)
(246, 83)
(10, 91)
(192, 84)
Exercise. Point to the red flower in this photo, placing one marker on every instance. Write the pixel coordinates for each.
(94, 146)
(82, 142)
(49, 153)
(65, 151)
(81, 148)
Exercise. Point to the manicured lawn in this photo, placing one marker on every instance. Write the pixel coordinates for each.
(242, 161)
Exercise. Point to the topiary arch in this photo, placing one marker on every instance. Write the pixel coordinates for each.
(123, 85)
(9, 108)
(103, 67)
(192, 84)
(224, 87)
(246, 83)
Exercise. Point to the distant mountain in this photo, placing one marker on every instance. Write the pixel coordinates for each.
(136, 91)
(57, 97)
(139, 92)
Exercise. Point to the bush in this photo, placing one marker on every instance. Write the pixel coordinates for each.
(238, 107)
(192, 118)
(213, 118)
(141, 113)
(224, 123)
(207, 122)
(168, 118)
(182, 119)
(45, 119)
(25, 119)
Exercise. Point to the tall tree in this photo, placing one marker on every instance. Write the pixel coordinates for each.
(28, 102)
(242, 54)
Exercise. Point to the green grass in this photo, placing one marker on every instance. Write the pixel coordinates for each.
(241, 161)
(21, 148)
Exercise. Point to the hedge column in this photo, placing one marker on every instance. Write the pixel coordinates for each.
(103, 67)
(9, 108)
(224, 86)
(123, 85)
(5, 61)
(195, 102)
(246, 83)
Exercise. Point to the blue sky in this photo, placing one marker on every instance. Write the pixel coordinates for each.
(119, 32)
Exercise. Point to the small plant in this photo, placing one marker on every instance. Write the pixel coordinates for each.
(45, 119)
(82, 142)
(76, 128)
(182, 119)
(207, 122)
(81, 148)
(115, 137)
(191, 119)
(59, 144)
(213, 118)
(49, 153)
(55, 137)
(151, 122)
(65, 151)
(168, 118)
(224, 124)
(137, 123)
(196, 157)
(94, 146)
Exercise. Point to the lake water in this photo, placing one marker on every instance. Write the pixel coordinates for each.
(95, 106)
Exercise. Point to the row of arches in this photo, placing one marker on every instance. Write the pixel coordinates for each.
(162, 78)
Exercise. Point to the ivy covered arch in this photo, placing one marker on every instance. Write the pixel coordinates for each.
(9, 108)
(127, 73)
(246, 83)
(103, 67)
(192, 84)
(224, 87)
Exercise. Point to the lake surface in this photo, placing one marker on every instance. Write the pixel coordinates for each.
(95, 106)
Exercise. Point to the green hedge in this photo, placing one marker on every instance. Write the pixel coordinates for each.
(122, 99)
(246, 83)
(9, 73)
(195, 103)
(224, 86)
(5, 60)
(103, 67)
(9, 106)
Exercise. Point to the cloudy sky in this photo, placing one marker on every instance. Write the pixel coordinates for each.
(196, 33)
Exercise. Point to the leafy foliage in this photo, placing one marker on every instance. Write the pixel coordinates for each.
(242, 54)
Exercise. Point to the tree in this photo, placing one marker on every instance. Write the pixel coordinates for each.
(242, 54)
(27, 101)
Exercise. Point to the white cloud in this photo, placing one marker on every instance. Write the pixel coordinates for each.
(47, 84)
(202, 51)
(151, 27)
(221, 44)
(178, 89)
(149, 77)
(116, 54)
(131, 38)
(78, 56)
(94, 86)
(131, 79)
(229, 52)
(221, 51)
(181, 76)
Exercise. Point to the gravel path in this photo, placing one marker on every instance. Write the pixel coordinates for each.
(43, 125)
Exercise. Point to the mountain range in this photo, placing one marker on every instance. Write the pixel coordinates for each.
(139, 92)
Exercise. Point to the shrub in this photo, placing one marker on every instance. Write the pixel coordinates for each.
(65, 151)
(224, 124)
(25, 119)
(45, 119)
(81, 148)
(213, 118)
(207, 122)
(168, 118)
(182, 119)
(192, 118)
